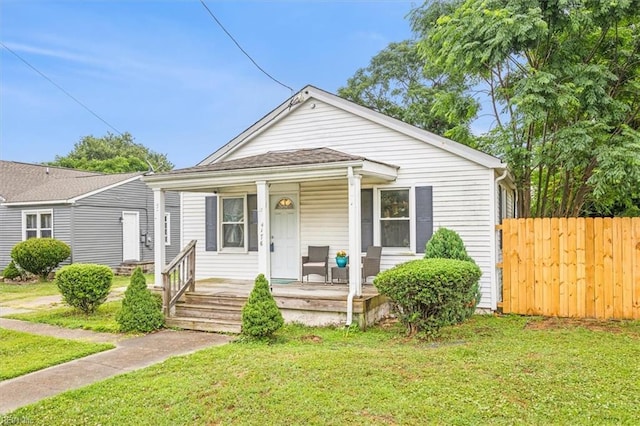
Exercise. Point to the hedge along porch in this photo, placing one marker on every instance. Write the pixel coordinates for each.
(353, 178)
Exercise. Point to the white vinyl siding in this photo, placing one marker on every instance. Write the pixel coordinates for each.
(461, 188)
(211, 263)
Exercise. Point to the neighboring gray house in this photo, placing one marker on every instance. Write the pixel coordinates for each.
(105, 218)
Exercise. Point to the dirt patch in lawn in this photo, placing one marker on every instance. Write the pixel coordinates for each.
(554, 323)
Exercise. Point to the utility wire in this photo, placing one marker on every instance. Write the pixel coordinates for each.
(240, 47)
(60, 88)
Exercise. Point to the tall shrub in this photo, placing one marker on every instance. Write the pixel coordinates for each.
(446, 244)
(84, 286)
(260, 315)
(40, 256)
(428, 294)
(141, 310)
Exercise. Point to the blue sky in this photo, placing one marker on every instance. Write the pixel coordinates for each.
(165, 72)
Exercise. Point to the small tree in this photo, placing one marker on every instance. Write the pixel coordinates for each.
(84, 286)
(141, 310)
(260, 315)
(40, 256)
(446, 244)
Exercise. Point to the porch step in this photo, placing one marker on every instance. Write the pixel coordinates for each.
(204, 324)
(209, 311)
(216, 301)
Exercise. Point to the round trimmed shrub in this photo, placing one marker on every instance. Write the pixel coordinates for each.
(428, 294)
(84, 286)
(260, 315)
(141, 309)
(40, 256)
(446, 244)
(11, 271)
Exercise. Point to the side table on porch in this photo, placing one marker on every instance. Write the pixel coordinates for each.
(340, 274)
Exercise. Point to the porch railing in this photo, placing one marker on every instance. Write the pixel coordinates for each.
(178, 276)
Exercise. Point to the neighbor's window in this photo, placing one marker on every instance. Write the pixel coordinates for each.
(37, 224)
(394, 218)
(233, 222)
(167, 229)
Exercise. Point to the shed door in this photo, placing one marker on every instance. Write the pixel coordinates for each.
(130, 236)
(285, 258)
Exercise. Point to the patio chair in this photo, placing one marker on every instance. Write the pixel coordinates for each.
(371, 262)
(317, 262)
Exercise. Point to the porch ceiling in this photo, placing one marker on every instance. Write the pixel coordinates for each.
(274, 166)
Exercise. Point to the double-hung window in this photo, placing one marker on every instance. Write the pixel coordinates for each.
(37, 224)
(395, 218)
(233, 222)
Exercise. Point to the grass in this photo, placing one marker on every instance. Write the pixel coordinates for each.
(491, 370)
(10, 292)
(26, 291)
(22, 353)
(103, 320)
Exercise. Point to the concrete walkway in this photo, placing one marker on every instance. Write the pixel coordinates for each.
(131, 353)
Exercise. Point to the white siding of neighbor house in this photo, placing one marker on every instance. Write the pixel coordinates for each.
(462, 190)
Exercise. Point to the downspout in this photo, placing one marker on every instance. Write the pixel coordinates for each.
(352, 286)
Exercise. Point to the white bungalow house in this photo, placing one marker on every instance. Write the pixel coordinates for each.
(322, 171)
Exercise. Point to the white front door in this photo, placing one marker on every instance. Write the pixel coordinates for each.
(285, 256)
(130, 236)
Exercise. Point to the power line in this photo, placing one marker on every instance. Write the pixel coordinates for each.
(241, 49)
(60, 88)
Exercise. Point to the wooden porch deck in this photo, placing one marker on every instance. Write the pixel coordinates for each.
(216, 304)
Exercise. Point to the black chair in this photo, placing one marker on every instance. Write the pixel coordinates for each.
(371, 262)
(317, 262)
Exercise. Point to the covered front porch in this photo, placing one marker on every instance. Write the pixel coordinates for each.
(259, 214)
(215, 304)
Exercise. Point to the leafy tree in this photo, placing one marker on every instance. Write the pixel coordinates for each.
(564, 81)
(395, 83)
(112, 154)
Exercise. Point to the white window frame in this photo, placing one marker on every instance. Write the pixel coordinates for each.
(221, 223)
(38, 228)
(167, 229)
(377, 202)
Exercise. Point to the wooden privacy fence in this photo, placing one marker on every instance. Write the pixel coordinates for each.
(572, 267)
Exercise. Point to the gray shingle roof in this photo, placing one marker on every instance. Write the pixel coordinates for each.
(22, 182)
(298, 157)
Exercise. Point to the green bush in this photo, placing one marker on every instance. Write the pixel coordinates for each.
(446, 244)
(12, 271)
(428, 294)
(260, 315)
(141, 309)
(84, 286)
(40, 256)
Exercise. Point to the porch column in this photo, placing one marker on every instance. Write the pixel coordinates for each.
(159, 236)
(355, 230)
(264, 233)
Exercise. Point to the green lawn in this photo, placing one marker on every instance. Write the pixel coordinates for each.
(17, 294)
(103, 319)
(22, 353)
(492, 370)
(26, 291)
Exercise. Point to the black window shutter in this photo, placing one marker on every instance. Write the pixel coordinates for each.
(211, 223)
(252, 207)
(366, 217)
(424, 216)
